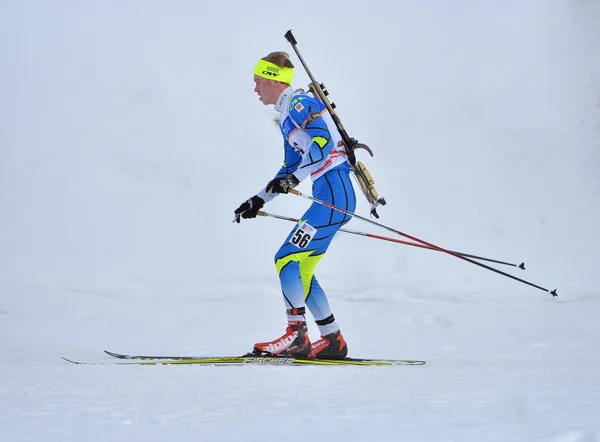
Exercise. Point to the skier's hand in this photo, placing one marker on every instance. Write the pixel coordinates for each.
(282, 185)
(249, 208)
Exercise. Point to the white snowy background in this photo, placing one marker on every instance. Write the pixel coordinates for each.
(129, 132)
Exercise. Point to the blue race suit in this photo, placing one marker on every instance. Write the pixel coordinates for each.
(312, 146)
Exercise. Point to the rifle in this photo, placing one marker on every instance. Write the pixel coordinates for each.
(360, 172)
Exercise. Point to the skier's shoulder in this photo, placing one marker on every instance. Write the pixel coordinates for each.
(302, 104)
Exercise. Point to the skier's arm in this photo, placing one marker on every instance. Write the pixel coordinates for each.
(292, 160)
(307, 116)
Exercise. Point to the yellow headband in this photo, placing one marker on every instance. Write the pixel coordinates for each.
(271, 71)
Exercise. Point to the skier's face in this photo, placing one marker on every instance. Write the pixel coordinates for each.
(268, 90)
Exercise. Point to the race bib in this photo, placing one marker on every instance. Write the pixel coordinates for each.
(303, 234)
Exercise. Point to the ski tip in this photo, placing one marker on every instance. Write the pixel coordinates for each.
(114, 355)
(71, 361)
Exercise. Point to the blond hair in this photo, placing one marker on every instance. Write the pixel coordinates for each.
(281, 59)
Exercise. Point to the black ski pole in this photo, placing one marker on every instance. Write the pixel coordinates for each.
(397, 241)
(433, 246)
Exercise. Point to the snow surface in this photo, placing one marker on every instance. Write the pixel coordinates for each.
(129, 132)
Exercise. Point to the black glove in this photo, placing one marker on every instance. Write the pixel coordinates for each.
(249, 208)
(282, 185)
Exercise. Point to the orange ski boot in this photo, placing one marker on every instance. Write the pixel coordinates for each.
(294, 342)
(331, 346)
